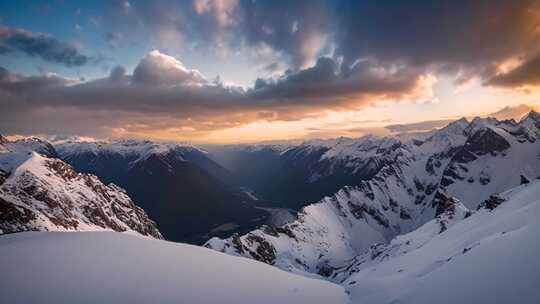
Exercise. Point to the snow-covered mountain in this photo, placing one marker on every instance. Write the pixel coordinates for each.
(184, 191)
(465, 161)
(489, 255)
(447, 216)
(484, 256)
(105, 267)
(295, 174)
(41, 193)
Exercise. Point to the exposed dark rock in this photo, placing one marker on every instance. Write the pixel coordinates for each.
(3, 176)
(464, 156)
(275, 231)
(237, 243)
(14, 218)
(404, 214)
(359, 212)
(522, 135)
(445, 181)
(491, 203)
(419, 185)
(326, 270)
(486, 141)
(30, 197)
(264, 251)
(443, 203)
(430, 189)
(484, 180)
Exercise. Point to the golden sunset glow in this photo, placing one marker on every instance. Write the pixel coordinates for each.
(209, 72)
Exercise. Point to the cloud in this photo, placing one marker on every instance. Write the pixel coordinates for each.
(17, 84)
(419, 126)
(160, 69)
(163, 94)
(526, 74)
(328, 83)
(114, 39)
(42, 45)
(118, 73)
(460, 38)
(298, 29)
(297, 36)
(340, 55)
(221, 11)
(514, 112)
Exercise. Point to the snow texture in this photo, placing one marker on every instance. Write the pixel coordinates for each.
(108, 267)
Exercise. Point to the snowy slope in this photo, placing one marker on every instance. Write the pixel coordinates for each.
(419, 183)
(490, 256)
(340, 226)
(46, 194)
(107, 267)
(497, 156)
(137, 150)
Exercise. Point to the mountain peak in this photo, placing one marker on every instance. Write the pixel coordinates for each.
(531, 115)
(47, 194)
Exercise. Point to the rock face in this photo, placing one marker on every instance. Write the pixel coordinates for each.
(454, 168)
(38, 193)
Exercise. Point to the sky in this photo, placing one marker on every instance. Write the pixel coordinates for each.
(232, 71)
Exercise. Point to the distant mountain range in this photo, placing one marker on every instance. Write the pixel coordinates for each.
(421, 178)
(412, 216)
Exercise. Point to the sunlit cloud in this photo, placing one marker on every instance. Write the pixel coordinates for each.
(317, 68)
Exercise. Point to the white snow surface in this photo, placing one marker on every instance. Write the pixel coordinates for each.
(108, 267)
(489, 257)
(140, 149)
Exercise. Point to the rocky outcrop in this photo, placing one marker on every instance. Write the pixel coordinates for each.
(46, 194)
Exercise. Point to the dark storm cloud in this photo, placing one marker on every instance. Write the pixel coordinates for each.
(340, 54)
(327, 83)
(526, 74)
(118, 73)
(18, 85)
(297, 28)
(42, 45)
(163, 91)
(160, 83)
(463, 39)
(453, 37)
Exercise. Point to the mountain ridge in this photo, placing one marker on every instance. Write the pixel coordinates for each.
(43, 193)
(401, 196)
